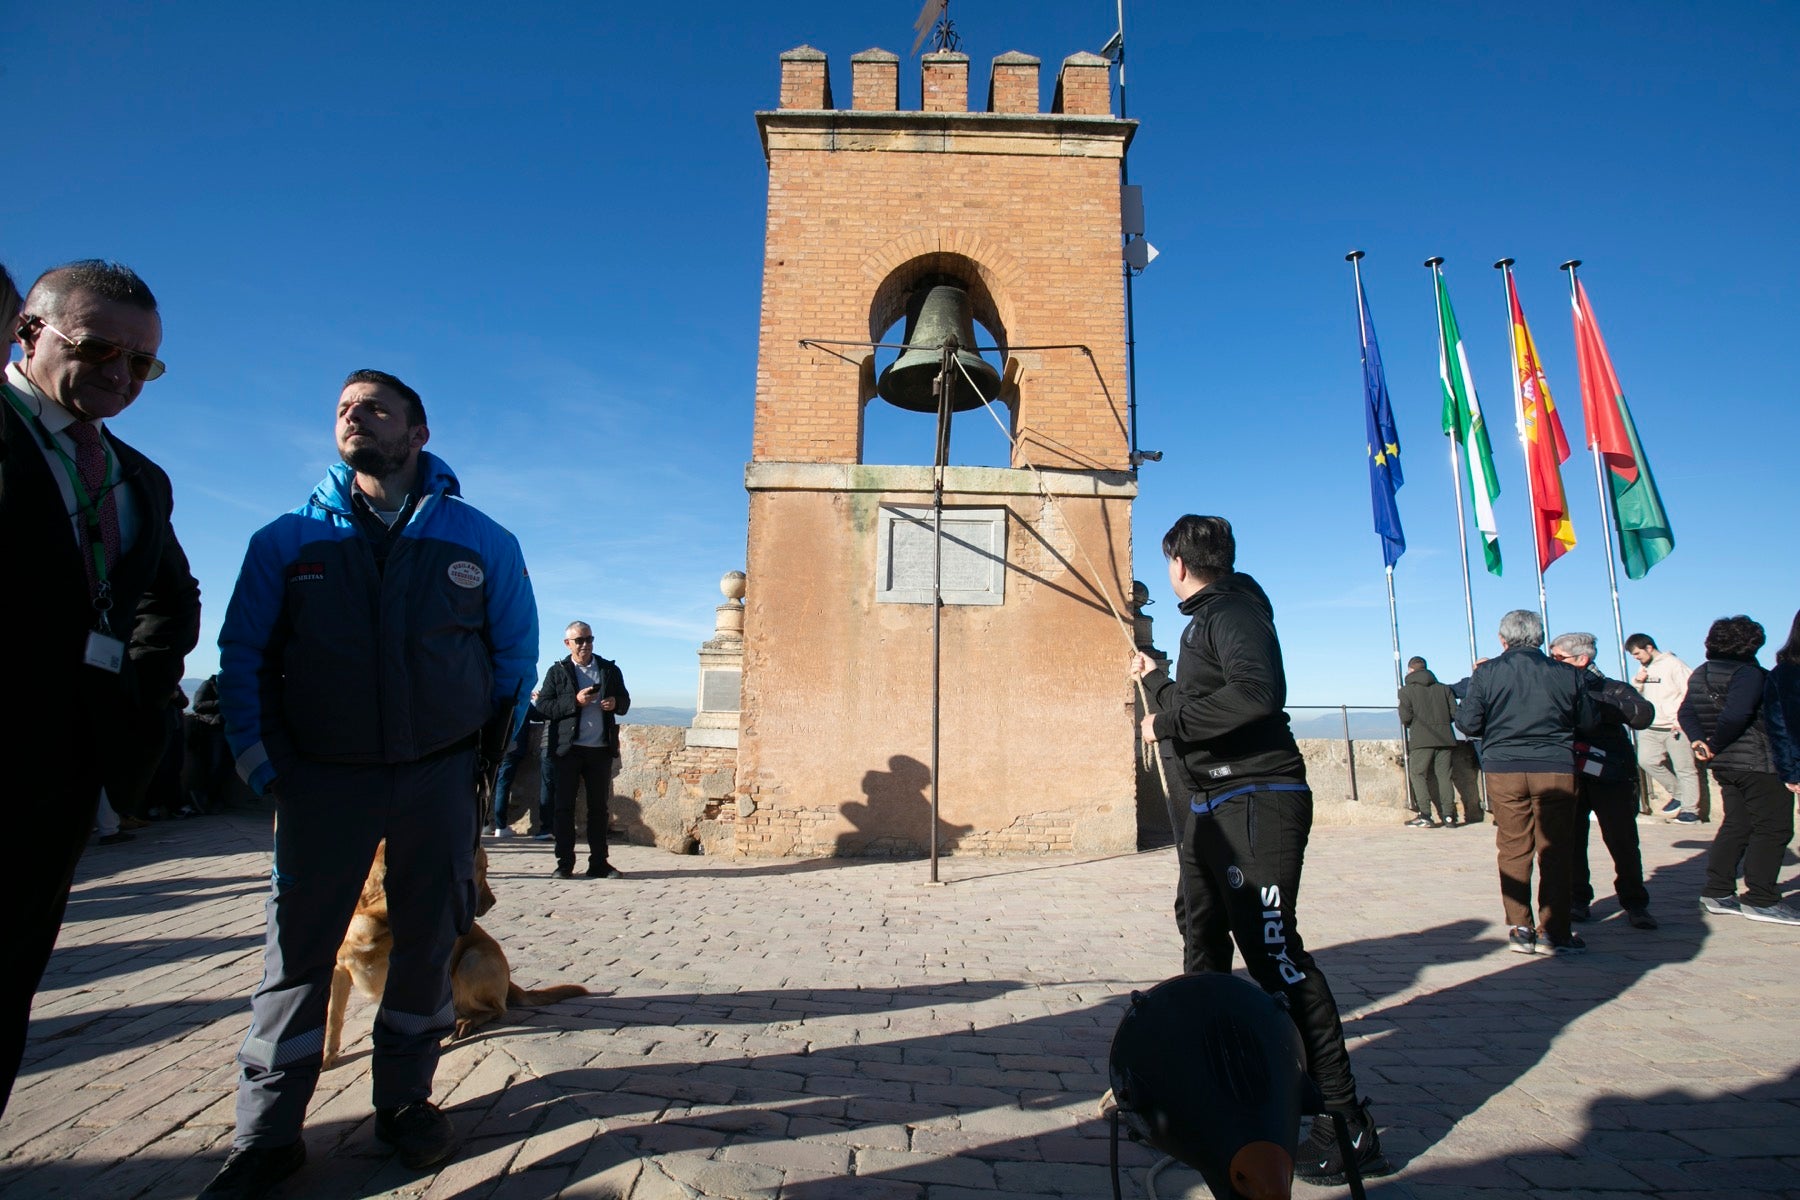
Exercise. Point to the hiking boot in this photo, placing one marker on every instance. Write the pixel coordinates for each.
(420, 1133)
(1523, 940)
(1569, 945)
(251, 1171)
(1319, 1160)
(1721, 906)
(1778, 913)
(1640, 918)
(1580, 913)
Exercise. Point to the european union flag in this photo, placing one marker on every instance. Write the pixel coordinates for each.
(1385, 476)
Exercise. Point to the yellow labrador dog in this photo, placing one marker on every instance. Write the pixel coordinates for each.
(480, 978)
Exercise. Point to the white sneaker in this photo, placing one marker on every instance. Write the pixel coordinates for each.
(503, 832)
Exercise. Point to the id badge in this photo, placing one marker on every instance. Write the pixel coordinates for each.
(105, 651)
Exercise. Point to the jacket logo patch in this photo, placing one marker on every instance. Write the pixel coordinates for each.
(306, 572)
(1219, 772)
(466, 574)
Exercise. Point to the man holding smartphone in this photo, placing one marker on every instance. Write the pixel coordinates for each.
(582, 698)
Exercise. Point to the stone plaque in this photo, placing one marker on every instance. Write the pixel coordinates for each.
(721, 691)
(973, 563)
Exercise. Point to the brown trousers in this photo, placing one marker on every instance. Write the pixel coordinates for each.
(1534, 813)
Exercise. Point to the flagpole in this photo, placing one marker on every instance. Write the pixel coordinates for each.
(1362, 324)
(1504, 266)
(1608, 515)
(1462, 531)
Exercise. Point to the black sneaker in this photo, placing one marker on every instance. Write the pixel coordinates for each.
(1319, 1160)
(1640, 918)
(1569, 945)
(604, 871)
(565, 872)
(421, 1134)
(1580, 913)
(252, 1171)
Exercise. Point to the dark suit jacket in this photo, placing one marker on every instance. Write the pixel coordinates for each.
(77, 713)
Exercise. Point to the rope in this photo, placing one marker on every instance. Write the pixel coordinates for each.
(1125, 630)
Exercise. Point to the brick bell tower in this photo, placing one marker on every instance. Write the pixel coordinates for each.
(1019, 208)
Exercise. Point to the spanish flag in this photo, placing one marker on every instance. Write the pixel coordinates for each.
(1546, 449)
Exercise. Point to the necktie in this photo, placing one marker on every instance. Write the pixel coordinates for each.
(90, 464)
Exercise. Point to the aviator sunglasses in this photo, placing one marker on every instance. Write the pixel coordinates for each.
(95, 351)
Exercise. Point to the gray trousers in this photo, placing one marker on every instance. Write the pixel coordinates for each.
(1430, 767)
(328, 820)
(1683, 782)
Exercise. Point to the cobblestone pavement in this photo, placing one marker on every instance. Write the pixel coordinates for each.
(815, 1031)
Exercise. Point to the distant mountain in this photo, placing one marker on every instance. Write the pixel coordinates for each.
(1368, 725)
(650, 714)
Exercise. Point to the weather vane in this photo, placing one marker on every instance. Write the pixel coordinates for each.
(934, 22)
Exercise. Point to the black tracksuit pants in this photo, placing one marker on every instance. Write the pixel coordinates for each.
(1614, 804)
(592, 765)
(1240, 880)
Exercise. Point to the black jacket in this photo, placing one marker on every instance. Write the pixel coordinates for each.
(1428, 712)
(1525, 708)
(1223, 712)
(1723, 708)
(113, 722)
(556, 700)
(1604, 751)
(1781, 717)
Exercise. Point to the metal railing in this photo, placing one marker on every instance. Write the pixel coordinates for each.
(1344, 711)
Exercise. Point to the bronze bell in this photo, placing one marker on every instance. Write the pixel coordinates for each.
(935, 314)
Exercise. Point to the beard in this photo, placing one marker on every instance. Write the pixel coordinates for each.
(376, 460)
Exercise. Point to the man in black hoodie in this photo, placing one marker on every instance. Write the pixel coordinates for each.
(1236, 762)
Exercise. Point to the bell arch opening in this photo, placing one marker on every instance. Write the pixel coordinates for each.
(918, 303)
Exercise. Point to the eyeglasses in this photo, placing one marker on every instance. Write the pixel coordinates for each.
(586, 641)
(95, 351)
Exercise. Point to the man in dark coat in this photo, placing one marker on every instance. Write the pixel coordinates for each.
(1250, 812)
(1526, 709)
(1606, 784)
(1428, 713)
(103, 607)
(582, 698)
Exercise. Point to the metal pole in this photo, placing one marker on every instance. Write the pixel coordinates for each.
(945, 385)
(1456, 489)
(1349, 752)
(1504, 266)
(1607, 515)
(1130, 316)
(1362, 319)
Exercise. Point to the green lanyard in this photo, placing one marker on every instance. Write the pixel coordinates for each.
(86, 505)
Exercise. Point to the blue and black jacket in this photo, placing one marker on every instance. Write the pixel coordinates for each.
(328, 653)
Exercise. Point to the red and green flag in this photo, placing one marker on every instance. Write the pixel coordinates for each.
(1645, 537)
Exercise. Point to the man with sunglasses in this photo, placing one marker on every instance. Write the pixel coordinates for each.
(376, 633)
(582, 698)
(101, 607)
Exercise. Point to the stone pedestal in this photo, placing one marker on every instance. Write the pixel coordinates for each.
(720, 699)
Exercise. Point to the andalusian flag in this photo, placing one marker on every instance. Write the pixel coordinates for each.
(1645, 538)
(1462, 421)
(1546, 449)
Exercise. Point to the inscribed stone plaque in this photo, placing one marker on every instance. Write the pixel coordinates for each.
(721, 691)
(973, 558)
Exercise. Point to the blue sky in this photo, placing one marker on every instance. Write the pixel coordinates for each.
(552, 226)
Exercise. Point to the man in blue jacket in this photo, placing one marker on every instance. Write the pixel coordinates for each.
(374, 632)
